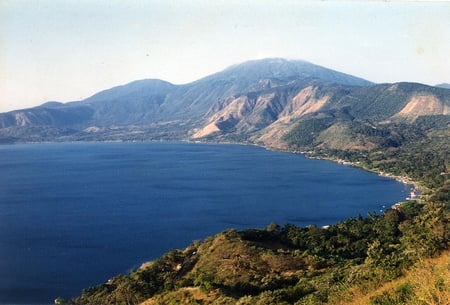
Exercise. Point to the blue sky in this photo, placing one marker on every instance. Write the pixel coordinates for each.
(68, 50)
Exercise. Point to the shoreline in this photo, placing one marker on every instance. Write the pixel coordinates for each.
(415, 187)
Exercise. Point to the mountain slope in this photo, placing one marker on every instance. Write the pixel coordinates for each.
(57, 115)
(135, 103)
(250, 76)
(267, 116)
(148, 101)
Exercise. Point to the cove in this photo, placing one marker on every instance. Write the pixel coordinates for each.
(72, 215)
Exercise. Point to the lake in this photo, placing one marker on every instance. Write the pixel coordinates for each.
(73, 215)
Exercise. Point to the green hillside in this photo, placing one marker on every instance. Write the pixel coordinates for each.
(287, 265)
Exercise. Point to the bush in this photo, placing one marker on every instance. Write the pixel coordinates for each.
(401, 295)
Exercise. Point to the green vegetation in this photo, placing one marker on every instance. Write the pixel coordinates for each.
(418, 150)
(306, 132)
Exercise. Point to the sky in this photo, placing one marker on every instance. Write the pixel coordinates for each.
(68, 50)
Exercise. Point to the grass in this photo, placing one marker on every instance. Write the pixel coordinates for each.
(427, 283)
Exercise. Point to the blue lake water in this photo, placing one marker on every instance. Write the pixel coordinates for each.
(73, 215)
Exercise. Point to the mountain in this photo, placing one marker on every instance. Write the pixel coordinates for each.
(443, 85)
(259, 101)
(250, 76)
(147, 101)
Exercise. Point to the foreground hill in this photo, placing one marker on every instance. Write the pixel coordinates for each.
(288, 265)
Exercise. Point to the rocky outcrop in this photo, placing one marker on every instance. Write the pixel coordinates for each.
(425, 104)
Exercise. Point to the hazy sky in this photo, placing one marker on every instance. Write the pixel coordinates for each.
(68, 50)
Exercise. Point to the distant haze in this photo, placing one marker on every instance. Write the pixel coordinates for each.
(69, 50)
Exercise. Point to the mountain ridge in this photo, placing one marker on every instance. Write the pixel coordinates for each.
(443, 85)
(258, 101)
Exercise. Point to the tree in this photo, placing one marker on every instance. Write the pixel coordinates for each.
(428, 233)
